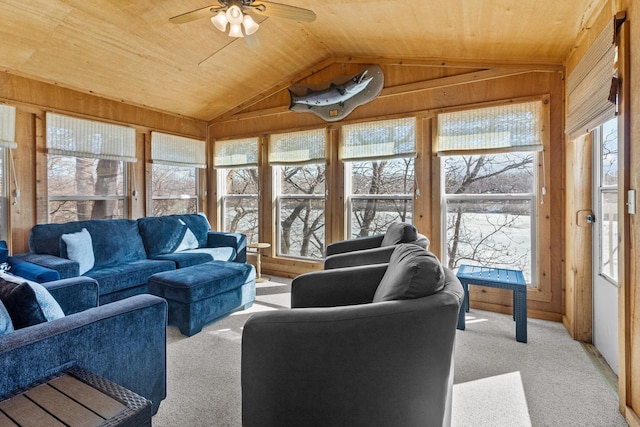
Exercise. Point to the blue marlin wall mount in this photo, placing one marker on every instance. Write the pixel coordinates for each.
(335, 100)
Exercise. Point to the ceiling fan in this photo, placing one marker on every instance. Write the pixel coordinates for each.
(238, 13)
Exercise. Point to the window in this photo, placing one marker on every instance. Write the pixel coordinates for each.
(298, 161)
(489, 185)
(7, 141)
(175, 173)
(606, 146)
(238, 185)
(86, 168)
(379, 174)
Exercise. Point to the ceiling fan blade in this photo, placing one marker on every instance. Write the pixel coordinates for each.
(195, 14)
(284, 11)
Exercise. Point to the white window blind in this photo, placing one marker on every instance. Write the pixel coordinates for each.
(589, 86)
(383, 139)
(71, 136)
(178, 150)
(236, 153)
(298, 147)
(502, 128)
(7, 126)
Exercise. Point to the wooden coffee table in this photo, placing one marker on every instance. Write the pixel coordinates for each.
(74, 397)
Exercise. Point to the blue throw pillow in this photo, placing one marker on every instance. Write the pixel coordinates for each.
(4, 251)
(49, 306)
(6, 325)
(21, 303)
(79, 248)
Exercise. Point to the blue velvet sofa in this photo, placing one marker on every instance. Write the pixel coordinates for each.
(124, 341)
(127, 252)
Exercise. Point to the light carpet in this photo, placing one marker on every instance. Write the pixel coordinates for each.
(549, 381)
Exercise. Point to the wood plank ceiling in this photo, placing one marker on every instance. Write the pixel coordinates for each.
(128, 50)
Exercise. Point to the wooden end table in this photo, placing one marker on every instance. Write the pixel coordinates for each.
(258, 253)
(496, 278)
(75, 397)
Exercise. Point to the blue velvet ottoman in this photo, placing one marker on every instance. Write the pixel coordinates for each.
(202, 293)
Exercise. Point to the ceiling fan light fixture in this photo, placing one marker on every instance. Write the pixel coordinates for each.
(250, 26)
(234, 14)
(220, 21)
(235, 30)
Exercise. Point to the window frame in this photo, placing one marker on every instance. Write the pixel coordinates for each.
(223, 197)
(196, 196)
(277, 171)
(81, 198)
(350, 196)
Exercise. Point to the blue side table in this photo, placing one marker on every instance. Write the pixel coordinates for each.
(496, 278)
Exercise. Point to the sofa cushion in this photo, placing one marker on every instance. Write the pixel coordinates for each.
(6, 326)
(399, 232)
(161, 235)
(114, 240)
(173, 233)
(126, 275)
(198, 256)
(78, 247)
(413, 272)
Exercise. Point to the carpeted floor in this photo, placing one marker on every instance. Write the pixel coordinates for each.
(549, 381)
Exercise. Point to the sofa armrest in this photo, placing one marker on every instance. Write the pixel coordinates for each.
(65, 267)
(337, 287)
(354, 244)
(124, 341)
(308, 362)
(31, 271)
(75, 294)
(238, 241)
(377, 255)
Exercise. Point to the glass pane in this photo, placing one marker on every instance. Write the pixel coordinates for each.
(241, 216)
(79, 176)
(301, 227)
(609, 235)
(174, 206)
(78, 210)
(510, 173)
(490, 232)
(241, 181)
(609, 172)
(395, 176)
(303, 179)
(174, 181)
(373, 216)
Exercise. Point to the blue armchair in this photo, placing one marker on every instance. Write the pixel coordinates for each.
(124, 341)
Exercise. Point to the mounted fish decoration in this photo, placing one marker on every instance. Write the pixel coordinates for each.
(337, 99)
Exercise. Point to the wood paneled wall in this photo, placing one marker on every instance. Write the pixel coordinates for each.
(32, 100)
(422, 91)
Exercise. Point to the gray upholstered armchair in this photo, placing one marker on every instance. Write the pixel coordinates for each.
(339, 359)
(372, 249)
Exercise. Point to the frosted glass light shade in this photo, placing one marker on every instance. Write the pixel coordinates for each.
(236, 31)
(220, 21)
(234, 15)
(250, 26)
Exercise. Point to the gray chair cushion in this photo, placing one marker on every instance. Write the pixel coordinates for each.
(413, 272)
(399, 232)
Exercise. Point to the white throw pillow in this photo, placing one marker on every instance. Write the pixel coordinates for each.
(189, 240)
(80, 249)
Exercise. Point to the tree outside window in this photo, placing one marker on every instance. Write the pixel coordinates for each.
(298, 163)
(86, 170)
(236, 162)
(490, 163)
(379, 174)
